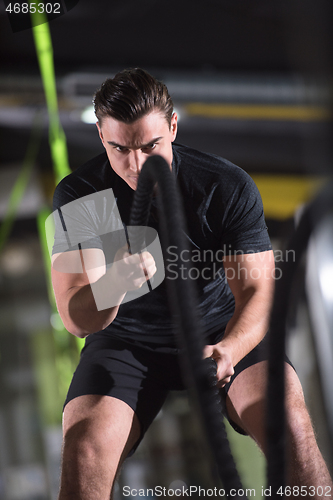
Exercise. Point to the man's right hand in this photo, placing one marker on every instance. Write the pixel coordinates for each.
(130, 272)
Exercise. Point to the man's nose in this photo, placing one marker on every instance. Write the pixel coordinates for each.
(137, 160)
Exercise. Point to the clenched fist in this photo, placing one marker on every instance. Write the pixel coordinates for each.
(130, 272)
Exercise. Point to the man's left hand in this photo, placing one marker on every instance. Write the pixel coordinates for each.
(225, 368)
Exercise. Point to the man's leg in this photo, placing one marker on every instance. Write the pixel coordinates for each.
(99, 432)
(246, 407)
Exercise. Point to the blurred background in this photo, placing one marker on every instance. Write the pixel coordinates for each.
(251, 81)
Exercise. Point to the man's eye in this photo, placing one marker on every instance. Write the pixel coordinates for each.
(150, 147)
(120, 149)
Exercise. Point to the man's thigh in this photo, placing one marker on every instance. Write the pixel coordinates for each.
(245, 401)
(246, 398)
(114, 370)
(104, 420)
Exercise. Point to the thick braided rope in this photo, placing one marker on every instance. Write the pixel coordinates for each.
(200, 373)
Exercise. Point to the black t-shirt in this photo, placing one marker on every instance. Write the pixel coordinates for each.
(224, 215)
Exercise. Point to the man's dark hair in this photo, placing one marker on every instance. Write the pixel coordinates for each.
(130, 95)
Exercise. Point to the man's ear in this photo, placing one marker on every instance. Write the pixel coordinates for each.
(100, 133)
(174, 126)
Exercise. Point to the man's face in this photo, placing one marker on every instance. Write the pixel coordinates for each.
(129, 145)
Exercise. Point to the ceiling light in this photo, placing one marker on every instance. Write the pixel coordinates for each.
(88, 115)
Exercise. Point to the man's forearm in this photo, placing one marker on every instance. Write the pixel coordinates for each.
(248, 326)
(83, 316)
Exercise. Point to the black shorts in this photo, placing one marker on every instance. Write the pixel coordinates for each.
(140, 375)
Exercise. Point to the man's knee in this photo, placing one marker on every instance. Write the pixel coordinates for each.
(83, 440)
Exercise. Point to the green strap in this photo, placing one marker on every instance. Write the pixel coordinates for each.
(57, 139)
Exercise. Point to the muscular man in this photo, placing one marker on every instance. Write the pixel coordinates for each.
(131, 360)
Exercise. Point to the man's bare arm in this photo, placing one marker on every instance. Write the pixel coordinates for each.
(77, 293)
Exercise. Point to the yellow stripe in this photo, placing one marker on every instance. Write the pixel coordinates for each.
(258, 112)
(282, 195)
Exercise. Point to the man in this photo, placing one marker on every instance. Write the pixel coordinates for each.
(130, 359)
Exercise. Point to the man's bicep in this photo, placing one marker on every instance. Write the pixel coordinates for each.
(250, 272)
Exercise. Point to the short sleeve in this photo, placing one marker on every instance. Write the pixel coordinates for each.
(239, 212)
(92, 221)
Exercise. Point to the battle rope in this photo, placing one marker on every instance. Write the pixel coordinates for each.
(276, 432)
(183, 302)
